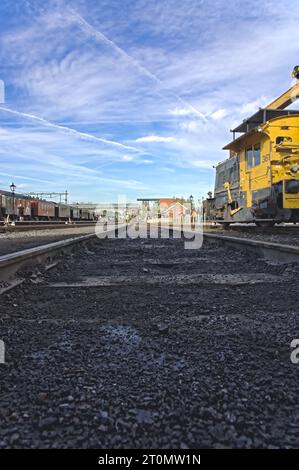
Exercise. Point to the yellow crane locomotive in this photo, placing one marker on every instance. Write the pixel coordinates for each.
(259, 182)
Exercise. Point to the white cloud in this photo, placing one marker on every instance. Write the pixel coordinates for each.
(100, 36)
(219, 114)
(205, 164)
(127, 158)
(181, 112)
(155, 139)
(253, 106)
(190, 126)
(59, 158)
(68, 130)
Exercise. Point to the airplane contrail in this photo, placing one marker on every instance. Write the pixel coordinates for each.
(24, 177)
(102, 37)
(70, 130)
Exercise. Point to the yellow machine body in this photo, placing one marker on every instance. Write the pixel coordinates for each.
(275, 151)
(260, 180)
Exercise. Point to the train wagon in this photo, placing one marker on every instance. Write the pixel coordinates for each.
(2, 206)
(23, 208)
(75, 213)
(7, 204)
(84, 214)
(62, 212)
(17, 206)
(42, 210)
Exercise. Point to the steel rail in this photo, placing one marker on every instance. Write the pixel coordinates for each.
(13, 262)
(277, 252)
(36, 227)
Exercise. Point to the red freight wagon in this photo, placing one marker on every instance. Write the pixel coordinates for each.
(42, 210)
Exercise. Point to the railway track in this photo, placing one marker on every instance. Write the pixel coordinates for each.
(48, 222)
(12, 262)
(280, 229)
(30, 226)
(45, 256)
(147, 345)
(280, 252)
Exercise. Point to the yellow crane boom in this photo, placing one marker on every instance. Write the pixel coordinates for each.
(287, 98)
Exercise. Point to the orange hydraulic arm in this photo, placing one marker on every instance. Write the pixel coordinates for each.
(289, 96)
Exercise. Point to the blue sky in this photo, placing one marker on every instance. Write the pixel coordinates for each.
(134, 97)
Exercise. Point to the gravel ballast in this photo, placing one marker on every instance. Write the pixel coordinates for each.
(11, 242)
(142, 344)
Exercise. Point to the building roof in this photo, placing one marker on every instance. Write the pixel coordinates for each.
(234, 144)
(261, 116)
(17, 195)
(249, 125)
(173, 206)
(148, 199)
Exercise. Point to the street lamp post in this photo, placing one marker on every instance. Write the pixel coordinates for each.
(191, 201)
(13, 188)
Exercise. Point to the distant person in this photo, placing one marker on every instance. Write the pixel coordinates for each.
(21, 213)
(193, 216)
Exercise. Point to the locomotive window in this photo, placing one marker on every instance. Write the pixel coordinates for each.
(257, 154)
(282, 139)
(249, 154)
